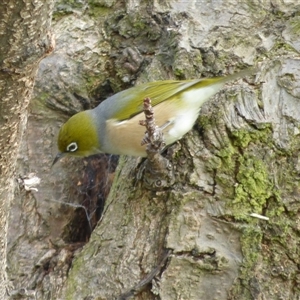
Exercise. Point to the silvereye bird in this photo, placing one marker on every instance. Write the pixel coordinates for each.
(113, 126)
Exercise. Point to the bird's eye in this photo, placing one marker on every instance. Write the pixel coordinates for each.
(72, 147)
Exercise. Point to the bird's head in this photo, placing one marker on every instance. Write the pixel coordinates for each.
(78, 137)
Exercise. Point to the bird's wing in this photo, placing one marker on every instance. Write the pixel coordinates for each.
(130, 102)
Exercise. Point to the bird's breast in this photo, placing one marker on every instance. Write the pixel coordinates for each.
(125, 137)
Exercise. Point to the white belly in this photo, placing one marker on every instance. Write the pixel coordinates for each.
(180, 126)
(185, 119)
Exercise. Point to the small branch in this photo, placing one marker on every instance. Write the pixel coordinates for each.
(154, 138)
(158, 170)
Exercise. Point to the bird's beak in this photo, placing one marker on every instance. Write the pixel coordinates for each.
(58, 156)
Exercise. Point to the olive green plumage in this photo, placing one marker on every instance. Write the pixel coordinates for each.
(112, 127)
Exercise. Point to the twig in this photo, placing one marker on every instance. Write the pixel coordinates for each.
(158, 170)
(154, 138)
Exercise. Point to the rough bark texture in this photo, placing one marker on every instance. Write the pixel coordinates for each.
(24, 40)
(241, 158)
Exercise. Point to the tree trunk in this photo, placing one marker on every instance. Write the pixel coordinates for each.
(227, 228)
(24, 40)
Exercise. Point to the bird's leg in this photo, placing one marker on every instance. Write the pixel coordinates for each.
(158, 171)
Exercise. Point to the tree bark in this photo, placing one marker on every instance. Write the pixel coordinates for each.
(213, 221)
(207, 236)
(25, 39)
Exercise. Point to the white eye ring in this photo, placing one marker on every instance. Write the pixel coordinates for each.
(72, 147)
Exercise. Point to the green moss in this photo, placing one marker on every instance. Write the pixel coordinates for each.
(242, 137)
(253, 187)
(251, 240)
(254, 177)
(242, 170)
(227, 156)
